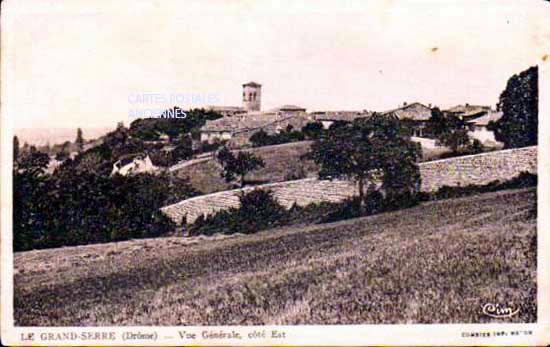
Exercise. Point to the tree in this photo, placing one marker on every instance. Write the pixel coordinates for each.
(79, 140)
(238, 165)
(456, 139)
(518, 125)
(148, 129)
(438, 122)
(63, 154)
(258, 210)
(15, 150)
(369, 151)
(313, 130)
(183, 149)
(260, 138)
(34, 162)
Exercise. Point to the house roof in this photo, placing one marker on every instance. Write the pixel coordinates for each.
(288, 108)
(346, 116)
(224, 108)
(252, 84)
(468, 110)
(486, 118)
(241, 123)
(414, 111)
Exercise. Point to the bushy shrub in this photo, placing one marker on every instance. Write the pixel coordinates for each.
(523, 180)
(261, 138)
(296, 174)
(350, 208)
(258, 211)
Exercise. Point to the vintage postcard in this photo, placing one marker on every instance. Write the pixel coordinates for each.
(275, 173)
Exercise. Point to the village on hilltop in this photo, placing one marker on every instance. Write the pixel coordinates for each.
(241, 122)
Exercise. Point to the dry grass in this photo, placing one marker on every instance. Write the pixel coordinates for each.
(436, 263)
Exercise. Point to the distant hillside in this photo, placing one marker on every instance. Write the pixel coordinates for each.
(43, 136)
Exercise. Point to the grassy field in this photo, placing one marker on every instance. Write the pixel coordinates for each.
(435, 263)
(282, 163)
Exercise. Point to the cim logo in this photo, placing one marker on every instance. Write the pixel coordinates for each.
(498, 311)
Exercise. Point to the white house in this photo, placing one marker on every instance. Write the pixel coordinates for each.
(477, 128)
(133, 164)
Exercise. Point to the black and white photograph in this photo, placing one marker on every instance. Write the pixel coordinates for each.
(238, 172)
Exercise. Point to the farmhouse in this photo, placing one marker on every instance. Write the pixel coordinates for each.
(467, 112)
(477, 128)
(415, 116)
(476, 118)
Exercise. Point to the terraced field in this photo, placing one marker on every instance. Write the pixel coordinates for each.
(435, 263)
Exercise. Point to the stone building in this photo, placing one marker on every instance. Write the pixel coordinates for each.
(477, 128)
(466, 112)
(416, 116)
(289, 110)
(252, 96)
(476, 119)
(237, 130)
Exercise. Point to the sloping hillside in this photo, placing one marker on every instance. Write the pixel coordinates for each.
(282, 163)
(436, 263)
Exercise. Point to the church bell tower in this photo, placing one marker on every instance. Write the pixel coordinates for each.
(252, 96)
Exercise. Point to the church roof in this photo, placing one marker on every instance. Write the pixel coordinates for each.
(252, 84)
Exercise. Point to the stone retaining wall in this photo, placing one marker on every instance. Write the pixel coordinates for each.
(459, 171)
(478, 169)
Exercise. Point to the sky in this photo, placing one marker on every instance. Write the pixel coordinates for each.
(95, 63)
